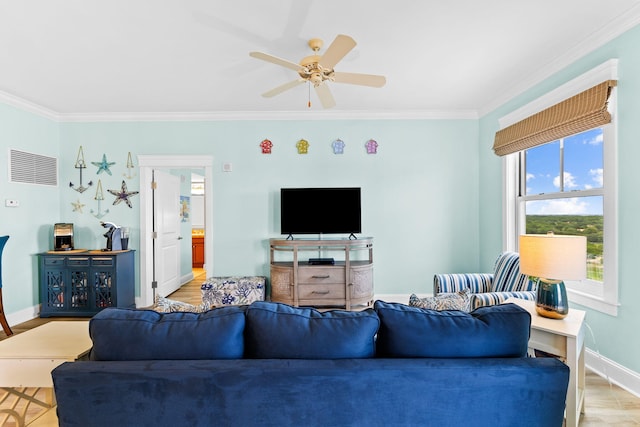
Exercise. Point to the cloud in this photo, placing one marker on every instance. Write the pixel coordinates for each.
(572, 206)
(597, 176)
(530, 176)
(597, 140)
(569, 181)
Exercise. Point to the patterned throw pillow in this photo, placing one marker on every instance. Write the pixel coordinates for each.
(446, 301)
(166, 305)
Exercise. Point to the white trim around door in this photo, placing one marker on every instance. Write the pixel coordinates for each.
(147, 164)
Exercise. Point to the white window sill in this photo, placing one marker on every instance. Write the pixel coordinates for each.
(593, 302)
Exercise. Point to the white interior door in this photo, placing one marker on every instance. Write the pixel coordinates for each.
(166, 197)
(148, 164)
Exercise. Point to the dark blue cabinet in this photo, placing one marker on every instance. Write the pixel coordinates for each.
(82, 284)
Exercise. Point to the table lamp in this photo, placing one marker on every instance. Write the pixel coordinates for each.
(550, 259)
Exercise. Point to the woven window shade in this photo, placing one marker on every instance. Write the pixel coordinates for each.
(579, 113)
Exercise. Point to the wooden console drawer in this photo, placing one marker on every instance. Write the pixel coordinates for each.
(320, 275)
(347, 283)
(328, 291)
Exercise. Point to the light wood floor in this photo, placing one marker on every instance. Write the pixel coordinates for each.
(605, 403)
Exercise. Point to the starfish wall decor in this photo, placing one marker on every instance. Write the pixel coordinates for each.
(103, 166)
(123, 194)
(77, 206)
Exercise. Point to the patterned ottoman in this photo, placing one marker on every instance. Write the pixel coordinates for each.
(232, 290)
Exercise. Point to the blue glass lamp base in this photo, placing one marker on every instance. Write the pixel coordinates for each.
(551, 299)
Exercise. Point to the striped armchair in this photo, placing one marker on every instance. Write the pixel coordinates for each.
(489, 289)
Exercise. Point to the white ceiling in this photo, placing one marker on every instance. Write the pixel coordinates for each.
(86, 58)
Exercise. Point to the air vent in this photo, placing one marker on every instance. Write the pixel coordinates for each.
(29, 168)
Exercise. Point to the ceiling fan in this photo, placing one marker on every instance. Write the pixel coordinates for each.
(317, 69)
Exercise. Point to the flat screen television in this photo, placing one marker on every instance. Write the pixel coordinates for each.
(320, 210)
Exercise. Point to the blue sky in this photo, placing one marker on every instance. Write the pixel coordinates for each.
(583, 167)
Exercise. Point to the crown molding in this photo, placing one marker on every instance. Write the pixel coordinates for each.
(334, 114)
(270, 115)
(28, 106)
(613, 29)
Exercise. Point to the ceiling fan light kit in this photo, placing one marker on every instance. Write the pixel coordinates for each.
(317, 69)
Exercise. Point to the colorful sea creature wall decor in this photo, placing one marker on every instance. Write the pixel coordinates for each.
(80, 164)
(371, 146)
(338, 146)
(302, 146)
(266, 146)
(123, 194)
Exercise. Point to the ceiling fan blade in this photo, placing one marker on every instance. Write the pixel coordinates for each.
(360, 79)
(275, 60)
(337, 50)
(278, 90)
(326, 98)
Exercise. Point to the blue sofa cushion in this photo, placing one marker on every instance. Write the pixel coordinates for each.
(280, 331)
(129, 334)
(496, 331)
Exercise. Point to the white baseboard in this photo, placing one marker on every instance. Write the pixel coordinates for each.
(186, 278)
(23, 315)
(613, 372)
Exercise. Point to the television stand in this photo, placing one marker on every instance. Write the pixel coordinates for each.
(345, 282)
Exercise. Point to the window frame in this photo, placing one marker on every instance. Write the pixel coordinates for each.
(601, 296)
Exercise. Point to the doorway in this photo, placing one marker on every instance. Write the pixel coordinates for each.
(148, 262)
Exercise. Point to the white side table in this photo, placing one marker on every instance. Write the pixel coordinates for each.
(565, 338)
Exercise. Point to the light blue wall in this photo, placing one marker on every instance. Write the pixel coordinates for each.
(614, 337)
(419, 192)
(30, 224)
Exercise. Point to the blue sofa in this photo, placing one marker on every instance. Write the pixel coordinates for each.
(269, 364)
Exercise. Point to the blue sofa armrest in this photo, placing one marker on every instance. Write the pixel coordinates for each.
(456, 282)
(493, 298)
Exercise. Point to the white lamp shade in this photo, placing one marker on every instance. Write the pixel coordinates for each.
(553, 256)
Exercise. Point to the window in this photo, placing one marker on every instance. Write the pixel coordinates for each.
(568, 186)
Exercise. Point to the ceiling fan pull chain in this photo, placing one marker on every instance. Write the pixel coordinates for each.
(309, 94)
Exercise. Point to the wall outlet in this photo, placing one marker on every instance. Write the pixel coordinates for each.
(11, 203)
